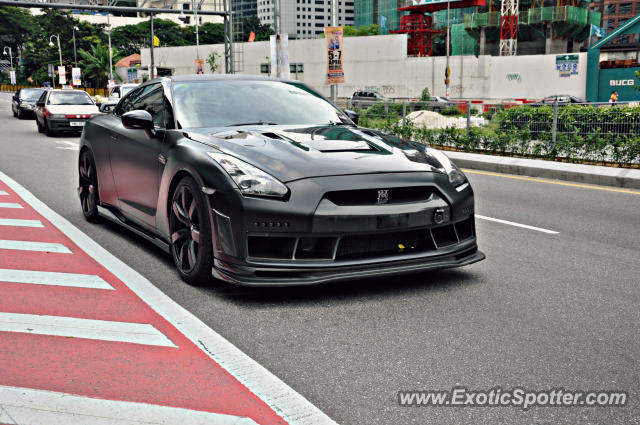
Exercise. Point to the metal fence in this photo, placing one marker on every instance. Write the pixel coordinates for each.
(595, 132)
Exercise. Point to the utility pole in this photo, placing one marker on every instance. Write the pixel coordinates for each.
(110, 55)
(4, 52)
(195, 6)
(153, 66)
(75, 55)
(448, 70)
(277, 27)
(334, 22)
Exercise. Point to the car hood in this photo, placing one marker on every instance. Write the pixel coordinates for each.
(73, 109)
(293, 152)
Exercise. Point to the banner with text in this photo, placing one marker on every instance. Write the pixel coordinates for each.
(335, 60)
(76, 76)
(62, 75)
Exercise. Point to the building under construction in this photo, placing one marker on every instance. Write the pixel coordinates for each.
(478, 27)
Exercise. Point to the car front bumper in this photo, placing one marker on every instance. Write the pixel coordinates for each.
(67, 124)
(322, 235)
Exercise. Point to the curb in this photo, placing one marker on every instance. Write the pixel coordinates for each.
(589, 174)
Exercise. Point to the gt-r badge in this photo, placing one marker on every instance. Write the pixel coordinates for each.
(383, 196)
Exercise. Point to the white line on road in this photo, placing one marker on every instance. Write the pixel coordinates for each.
(29, 406)
(285, 401)
(9, 205)
(74, 280)
(34, 246)
(20, 223)
(3, 192)
(104, 330)
(511, 223)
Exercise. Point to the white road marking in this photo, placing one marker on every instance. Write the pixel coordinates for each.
(20, 223)
(9, 205)
(2, 192)
(104, 330)
(68, 145)
(28, 406)
(74, 280)
(511, 223)
(34, 246)
(286, 402)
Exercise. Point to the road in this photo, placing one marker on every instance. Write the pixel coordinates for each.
(544, 310)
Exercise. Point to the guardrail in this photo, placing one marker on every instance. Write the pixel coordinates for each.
(16, 87)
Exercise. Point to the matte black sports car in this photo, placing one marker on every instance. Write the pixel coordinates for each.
(264, 182)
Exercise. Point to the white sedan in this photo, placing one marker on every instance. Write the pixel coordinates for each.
(63, 111)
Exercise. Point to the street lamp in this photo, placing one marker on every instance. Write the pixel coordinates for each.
(4, 52)
(75, 56)
(57, 37)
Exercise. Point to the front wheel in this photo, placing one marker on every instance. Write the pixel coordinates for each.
(88, 186)
(190, 231)
(47, 129)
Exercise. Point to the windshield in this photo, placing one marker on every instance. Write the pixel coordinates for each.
(70, 98)
(228, 103)
(30, 94)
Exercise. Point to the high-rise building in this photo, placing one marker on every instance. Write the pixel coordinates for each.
(243, 9)
(305, 18)
(379, 12)
(616, 13)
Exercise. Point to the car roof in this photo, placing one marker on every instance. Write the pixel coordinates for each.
(216, 77)
(65, 91)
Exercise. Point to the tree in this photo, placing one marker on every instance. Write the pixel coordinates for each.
(129, 39)
(95, 64)
(361, 31)
(211, 60)
(16, 25)
(253, 24)
(210, 33)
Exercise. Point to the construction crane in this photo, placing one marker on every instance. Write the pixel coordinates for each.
(509, 28)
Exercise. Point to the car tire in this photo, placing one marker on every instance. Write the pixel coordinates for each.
(88, 186)
(47, 129)
(40, 128)
(19, 114)
(14, 112)
(190, 233)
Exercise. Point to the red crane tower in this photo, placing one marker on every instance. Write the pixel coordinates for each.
(419, 27)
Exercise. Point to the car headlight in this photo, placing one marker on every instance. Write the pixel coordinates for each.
(250, 180)
(456, 177)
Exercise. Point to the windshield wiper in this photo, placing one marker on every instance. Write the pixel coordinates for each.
(252, 123)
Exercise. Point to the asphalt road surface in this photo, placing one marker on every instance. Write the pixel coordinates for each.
(544, 310)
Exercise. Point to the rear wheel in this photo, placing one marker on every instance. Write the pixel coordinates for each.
(88, 186)
(190, 233)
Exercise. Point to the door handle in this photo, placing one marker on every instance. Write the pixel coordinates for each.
(113, 138)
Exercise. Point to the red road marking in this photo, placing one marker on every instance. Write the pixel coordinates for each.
(178, 377)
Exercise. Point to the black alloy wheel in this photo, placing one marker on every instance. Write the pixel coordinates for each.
(190, 231)
(88, 186)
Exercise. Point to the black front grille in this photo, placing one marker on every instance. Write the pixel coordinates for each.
(359, 246)
(384, 244)
(395, 195)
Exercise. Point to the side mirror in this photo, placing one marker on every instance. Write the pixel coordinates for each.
(352, 116)
(107, 107)
(137, 120)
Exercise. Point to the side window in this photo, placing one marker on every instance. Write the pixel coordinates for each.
(152, 100)
(126, 104)
(43, 97)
